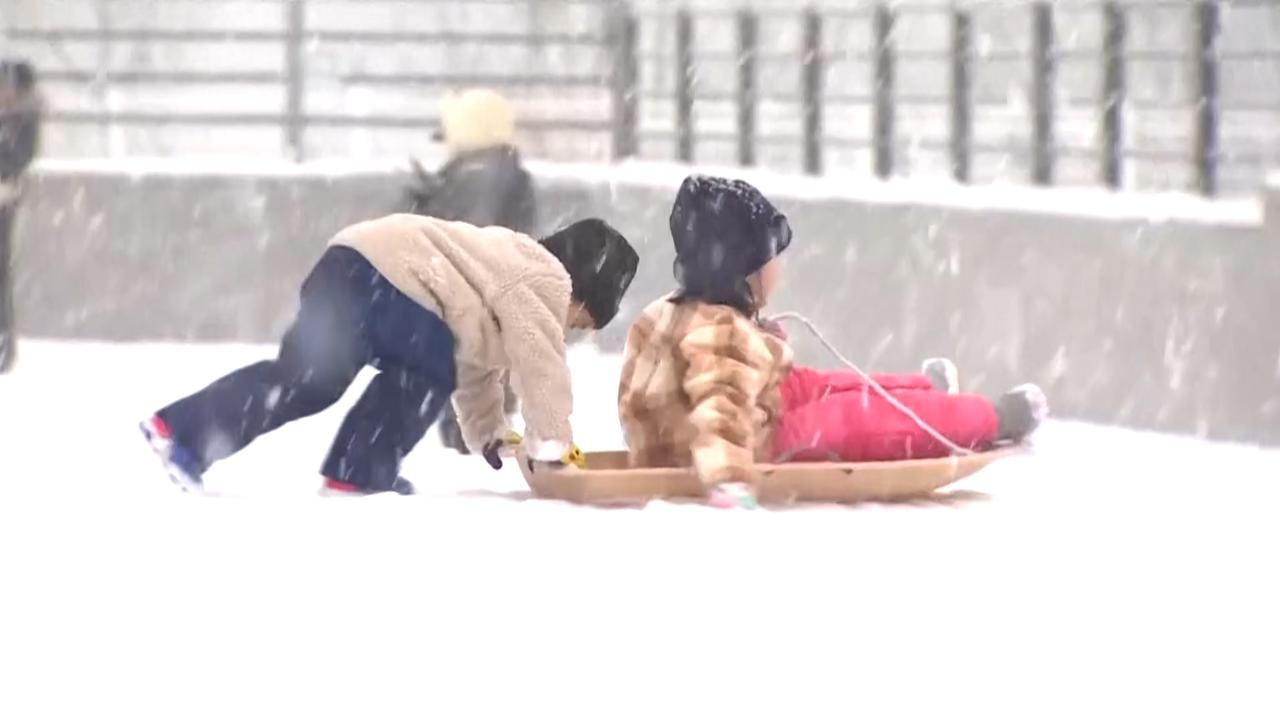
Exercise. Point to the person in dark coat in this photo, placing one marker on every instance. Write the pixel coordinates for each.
(483, 183)
(20, 112)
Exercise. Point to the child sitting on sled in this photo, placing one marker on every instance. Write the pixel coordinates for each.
(439, 308)
(705, 383)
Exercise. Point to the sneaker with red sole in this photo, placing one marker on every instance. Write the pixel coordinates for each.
(337, 488)
(179, 462)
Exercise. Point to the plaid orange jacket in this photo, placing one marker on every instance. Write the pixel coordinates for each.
(699, 388)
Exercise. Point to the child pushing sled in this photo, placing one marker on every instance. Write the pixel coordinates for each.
(706, 383)
(439, 308)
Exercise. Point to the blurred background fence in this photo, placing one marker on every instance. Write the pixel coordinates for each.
(1129, 94)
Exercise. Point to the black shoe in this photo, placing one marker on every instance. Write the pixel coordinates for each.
(451, 437)
(1020, 411)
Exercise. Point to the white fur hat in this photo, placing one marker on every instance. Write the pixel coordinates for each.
(476, 119)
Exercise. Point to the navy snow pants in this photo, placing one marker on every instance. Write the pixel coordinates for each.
(349, 316)
(8, 332)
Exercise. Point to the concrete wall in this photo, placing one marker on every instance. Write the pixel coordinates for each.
(1146, 311)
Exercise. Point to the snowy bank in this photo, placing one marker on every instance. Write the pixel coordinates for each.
(854, 187)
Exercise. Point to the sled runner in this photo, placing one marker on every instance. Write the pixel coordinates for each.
(608, 480)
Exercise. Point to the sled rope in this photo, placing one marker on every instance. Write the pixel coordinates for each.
(958, 450)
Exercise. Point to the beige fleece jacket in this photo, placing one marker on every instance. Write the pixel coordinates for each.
(505, 298)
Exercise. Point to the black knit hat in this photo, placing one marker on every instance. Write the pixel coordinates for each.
(600, 262)
(724, 231)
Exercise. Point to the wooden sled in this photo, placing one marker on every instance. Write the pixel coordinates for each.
(608, 481)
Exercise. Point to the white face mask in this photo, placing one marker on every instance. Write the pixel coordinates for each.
(574, 336)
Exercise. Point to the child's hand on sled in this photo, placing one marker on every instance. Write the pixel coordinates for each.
(572, 459)
(505, 445)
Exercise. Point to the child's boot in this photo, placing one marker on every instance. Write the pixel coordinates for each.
(729, 496)
(337, 488)
(1020, 411)
(942, 374)
(179, 462)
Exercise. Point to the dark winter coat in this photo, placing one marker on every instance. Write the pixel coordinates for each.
(19, 131)
(481, 187)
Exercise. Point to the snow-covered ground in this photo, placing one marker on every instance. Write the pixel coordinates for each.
(1110, 574)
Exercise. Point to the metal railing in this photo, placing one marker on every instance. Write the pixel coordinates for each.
(617, 79)
(1113, 51)
(292, 38)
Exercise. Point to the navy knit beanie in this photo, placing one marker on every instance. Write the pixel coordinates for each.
(724, 231)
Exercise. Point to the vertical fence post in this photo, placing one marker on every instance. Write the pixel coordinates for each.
(1207, 108)
(101, 87)
(1114, 88)
(748, 25)
(685, 73)
(811, 85)
(883, 117)
(961, 94)
(1043, 71)
(295, 80)
(624, 81)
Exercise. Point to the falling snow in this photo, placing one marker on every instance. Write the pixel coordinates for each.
(1109, 572)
